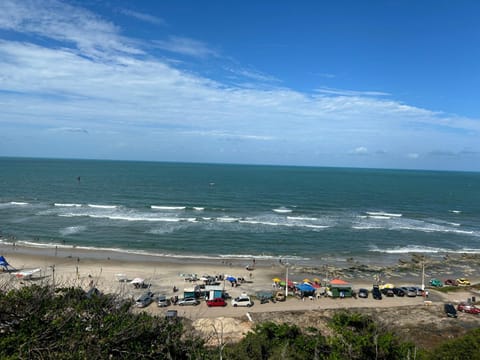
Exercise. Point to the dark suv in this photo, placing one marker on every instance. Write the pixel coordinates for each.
(376, 293)
(450, 310)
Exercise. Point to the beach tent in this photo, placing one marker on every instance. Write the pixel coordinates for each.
(231, 279)
(137, 281)
(4, 264)
(305, 289)
(338, 282)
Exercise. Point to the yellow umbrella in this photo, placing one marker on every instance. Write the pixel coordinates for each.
(276, 280)
(306, 280)
(317, 280)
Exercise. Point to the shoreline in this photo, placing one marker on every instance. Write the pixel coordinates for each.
(406, 269)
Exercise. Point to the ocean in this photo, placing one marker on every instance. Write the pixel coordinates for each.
(304, 215)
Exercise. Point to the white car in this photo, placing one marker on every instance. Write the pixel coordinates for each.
(242, 300)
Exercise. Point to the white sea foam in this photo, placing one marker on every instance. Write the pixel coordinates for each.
(227, 219)
(197, 208)
(409, 249)
(286, 224)
(282, 210)
(157, 207)
(157, 254)
(18, 203)
(70, 230)
(380, 217)
(67, 205)
(94, 206)
(382, 214)
(129, 218)
(315, 226)
(423, 249)
(366, 227)
(258, 222)
(429, 228)
(302, 218)
(455, 211)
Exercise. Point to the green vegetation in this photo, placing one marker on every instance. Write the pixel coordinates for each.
(39, 322)
(355, 337)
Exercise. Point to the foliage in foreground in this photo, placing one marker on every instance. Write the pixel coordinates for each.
(41, 323)
(37, 322)
(356, 337)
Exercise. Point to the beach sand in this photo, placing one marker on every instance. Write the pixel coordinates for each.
(84, 268)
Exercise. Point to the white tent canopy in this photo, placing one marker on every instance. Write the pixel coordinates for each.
(137, 281)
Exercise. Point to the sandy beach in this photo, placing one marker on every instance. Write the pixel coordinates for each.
(75, 267)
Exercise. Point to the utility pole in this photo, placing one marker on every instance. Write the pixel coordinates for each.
(286, 281)
(53, 275)
(423, 274)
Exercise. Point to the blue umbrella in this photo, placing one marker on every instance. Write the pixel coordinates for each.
(231, 279)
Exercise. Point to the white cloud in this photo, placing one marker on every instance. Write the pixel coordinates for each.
(342, 92)
(361, 150)
(95, 80)
(143, 17)
(66, 23)
(69, 130)
(186, 46)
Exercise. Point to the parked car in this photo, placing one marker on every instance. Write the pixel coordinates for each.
(409, 291)
(463, 282)
(436, 283)
(387, 292)
(216, 302)
(163, 301)
(171, 314)
(451, 282)
(242, 300)
(363, 293)
(450, 310)
(468, 308)
(376, 293)
(418, 290)
(144, 300)
(398, 292)
(188, 301)
(280, 296)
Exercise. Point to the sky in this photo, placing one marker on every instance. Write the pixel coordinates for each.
(376, 84)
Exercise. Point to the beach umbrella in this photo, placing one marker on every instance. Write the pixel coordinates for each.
(137, 281)
(306, 281)
(282, 283)
(231, 279)
(276, 280)
(316, 280)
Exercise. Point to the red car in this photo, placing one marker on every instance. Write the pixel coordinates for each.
(451, 282)
(471, 309)
(216, 302)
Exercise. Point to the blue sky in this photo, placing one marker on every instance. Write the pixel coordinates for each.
(388, 84)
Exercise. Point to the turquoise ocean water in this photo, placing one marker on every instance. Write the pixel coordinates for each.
(303, 214)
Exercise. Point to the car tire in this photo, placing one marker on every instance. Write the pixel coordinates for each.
(235, 305)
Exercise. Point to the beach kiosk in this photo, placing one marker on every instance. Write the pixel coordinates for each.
(214, 292)
(192, 292)
(340, 288)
